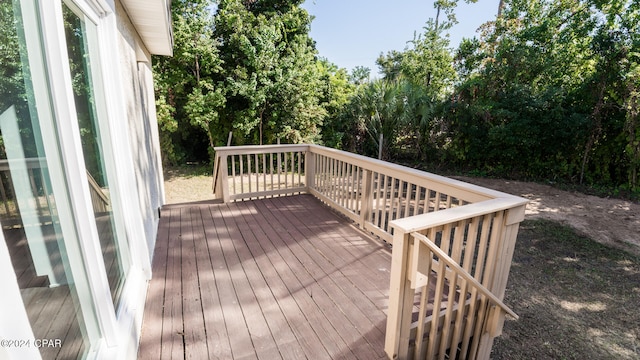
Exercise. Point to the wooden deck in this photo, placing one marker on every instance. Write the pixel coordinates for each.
(51, 310)
(280, 278)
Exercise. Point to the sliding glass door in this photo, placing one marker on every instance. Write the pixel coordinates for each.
(35, 211)
(83, 54)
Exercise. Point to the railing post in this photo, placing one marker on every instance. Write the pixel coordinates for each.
(396, 343)
(367, 197)
(310, 169)
(223, 174)
(494, 323)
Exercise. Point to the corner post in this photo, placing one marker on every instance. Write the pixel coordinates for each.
(223, 174)
(396, 344)
(495, 319)
(310, 169)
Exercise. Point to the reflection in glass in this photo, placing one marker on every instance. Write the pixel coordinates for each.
(76, 31)
(28, 215)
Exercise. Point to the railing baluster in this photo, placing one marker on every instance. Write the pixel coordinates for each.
(247, 159)
(285, 169)
(323, 172)
(349, 187)
(407, 198)
(359, 189)
(392, 201)
(264, 172)
(279, 170)
(293, 167)
(427, 199)
(5, 199)
(380, 189)
(257, 167)
(233, 173)
(299, 169)
(420, 349)
(437, 303)
(332, 178)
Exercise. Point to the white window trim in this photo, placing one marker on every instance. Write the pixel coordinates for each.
(43, 94)
(119, 137)
(117, 325)
(74, 169)
(130, 309)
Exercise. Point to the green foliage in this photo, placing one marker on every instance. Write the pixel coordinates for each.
(12, 78)
(549, 90)
(542, 93)
(337, 90)
(268, 74)
(183, 84)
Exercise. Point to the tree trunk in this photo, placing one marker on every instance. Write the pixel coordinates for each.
(597, 128)
(500, 7)
(260, 128)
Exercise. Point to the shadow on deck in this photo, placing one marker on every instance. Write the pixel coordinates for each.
(274, 278)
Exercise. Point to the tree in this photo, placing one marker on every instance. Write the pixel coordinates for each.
(185, 92)
(268, 73)
(542, 92)
(337, 89)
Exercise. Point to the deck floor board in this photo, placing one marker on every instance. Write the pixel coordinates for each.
(280, 278)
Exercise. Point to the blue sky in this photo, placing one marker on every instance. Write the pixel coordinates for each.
(354, 32)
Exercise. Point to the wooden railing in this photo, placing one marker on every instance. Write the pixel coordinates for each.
(452, 241)
(40, 195)
(9, 209)
(99, 200)
(259, 171)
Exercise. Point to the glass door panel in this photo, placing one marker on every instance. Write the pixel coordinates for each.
(28, 206)
(86, 81)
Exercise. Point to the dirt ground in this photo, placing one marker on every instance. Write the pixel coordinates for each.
(611, 222)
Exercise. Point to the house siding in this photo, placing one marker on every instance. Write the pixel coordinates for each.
(137, 88)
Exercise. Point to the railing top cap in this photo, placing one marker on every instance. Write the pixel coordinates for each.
(478, 193)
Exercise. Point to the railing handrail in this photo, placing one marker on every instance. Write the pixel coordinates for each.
(260, 149)
(462, 272)
(95, 188)
(31, 163)
(475, 193)
(429, 220)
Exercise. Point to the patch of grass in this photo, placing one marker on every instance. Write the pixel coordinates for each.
(576, 298)
(187, 171)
